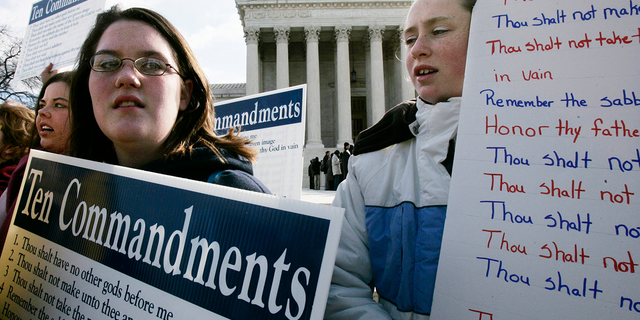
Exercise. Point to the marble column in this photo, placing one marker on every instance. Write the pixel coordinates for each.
(406, 87)
(343, 85)
(314, 126)
(251, 36)
(377, 73)
(282, 56)
(367, 75)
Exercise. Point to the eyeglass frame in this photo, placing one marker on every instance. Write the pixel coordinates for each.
(134, 64)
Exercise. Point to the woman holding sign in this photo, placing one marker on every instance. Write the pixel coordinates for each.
(141, 100)
(396, 191)
(49, 132)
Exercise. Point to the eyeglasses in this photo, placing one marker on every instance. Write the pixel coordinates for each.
(103, 62)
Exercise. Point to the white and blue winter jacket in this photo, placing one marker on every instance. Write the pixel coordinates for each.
(395, 200)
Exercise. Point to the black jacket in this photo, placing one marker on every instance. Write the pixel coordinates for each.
(203, 165)
(394, 128)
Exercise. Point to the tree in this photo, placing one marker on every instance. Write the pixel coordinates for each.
(10, 49)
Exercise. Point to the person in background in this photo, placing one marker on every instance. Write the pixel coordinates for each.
(316, 173)
(395, 195)
(335, 167)
(311, 175)
(53, 122)
(344, 160)
(140, 99)
(15, 121)
(49, 132)
(328, 173)
(330, 177)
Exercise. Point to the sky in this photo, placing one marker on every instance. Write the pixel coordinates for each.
(212, 28)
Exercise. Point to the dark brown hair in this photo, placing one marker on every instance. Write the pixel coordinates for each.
(194, 126)
(468, 4)
(16, 120)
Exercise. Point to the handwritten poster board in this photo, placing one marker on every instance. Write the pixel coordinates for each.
(544, 210)
(275, 121)
(55, 33)
(95, 241)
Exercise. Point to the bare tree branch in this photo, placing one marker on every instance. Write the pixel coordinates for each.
(10, 49)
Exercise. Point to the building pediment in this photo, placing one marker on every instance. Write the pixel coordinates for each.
(269, 13)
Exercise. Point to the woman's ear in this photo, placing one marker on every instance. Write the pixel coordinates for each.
(185, 94)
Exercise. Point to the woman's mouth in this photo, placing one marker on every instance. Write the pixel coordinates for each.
(425, 71)
(44, 128)
(127, 104)
(127, 101)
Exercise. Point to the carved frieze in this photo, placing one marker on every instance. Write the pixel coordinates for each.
(323, 10)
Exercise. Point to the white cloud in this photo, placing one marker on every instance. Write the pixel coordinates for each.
(202, 38)
(212, 29)
(15, 14)
(221, 51)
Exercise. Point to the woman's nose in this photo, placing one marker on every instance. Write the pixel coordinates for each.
(127, 75)
(44, 112)
(420, 47)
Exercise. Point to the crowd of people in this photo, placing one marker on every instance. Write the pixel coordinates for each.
(139, 98)
(333, 166)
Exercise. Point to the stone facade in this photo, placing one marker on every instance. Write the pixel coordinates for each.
(348, 53)
(228, 91)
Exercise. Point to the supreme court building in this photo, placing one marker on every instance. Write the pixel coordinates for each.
(349, 53)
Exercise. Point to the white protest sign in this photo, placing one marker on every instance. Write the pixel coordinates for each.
(275, 121)
(55, 33)
(544, 211)
(96, 241)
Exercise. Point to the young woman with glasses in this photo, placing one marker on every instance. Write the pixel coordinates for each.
(140, 99)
